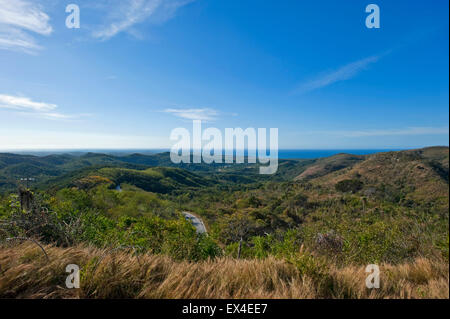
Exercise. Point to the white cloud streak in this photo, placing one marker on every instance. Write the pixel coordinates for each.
(204, 114)
(129, 13)
(345, 72)
(16, 40)
(26, 106)
(17, 17)
(24, 103)
(24, 15)
(53, 115)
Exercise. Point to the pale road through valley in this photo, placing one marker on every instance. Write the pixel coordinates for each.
(197, 222)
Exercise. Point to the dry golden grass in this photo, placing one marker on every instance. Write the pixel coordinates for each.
(26, 273)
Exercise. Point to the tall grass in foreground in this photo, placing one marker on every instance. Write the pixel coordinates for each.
(26, 273)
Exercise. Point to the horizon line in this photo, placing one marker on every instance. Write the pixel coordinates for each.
(168, 149)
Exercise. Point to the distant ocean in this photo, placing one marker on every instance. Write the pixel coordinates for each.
(286, 154)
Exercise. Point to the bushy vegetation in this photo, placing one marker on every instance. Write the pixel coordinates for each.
(328, 217)
(106, 218)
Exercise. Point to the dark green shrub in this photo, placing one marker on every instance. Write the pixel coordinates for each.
(349, 185)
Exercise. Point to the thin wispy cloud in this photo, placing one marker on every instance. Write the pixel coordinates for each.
(124, 15)
(18, 19)
(24, 103)
(54, 116)
(27, 107)
(343, 73)
(408, 131)
(204, 114)
(15, 40)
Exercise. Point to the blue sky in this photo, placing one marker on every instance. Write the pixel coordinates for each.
(136, 69)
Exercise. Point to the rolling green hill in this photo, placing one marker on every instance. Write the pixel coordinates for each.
(157, 180)
(58, 170)
(53, 171)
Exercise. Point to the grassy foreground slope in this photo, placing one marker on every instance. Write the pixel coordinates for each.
(26, 273)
